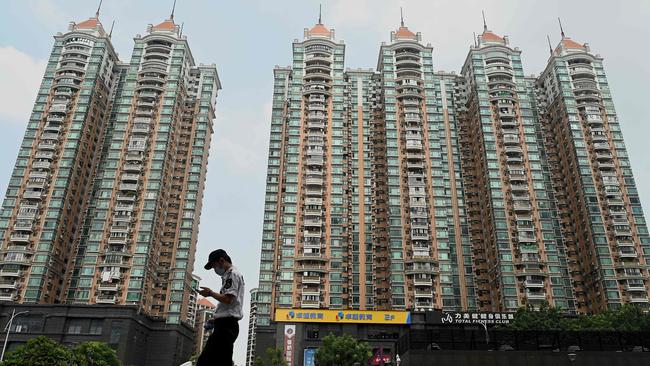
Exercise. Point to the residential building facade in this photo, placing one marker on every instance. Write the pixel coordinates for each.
(602, 221)
(519, 256)
(252, 325)
(411, 189)
(104, 203)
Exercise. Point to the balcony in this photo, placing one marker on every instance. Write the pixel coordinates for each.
(315, 161)
(109, 287)
(141, 128)
(41, 165)
(534, 283)
(23, 226)
(48, 155)
(33, 195)
(309, 304)
(627, 252)
(50, 128)
(19, 238)
(11, 273)
(601, 146)
(419, 236)
(314, 202)
(522, 206)
(638, 298)
(513, 150)
(635, 285)
(102, 299)
(313, 222)
(118, 240)
(8, 297)
(130, 177)
(47, 146)
(125, 198)
(510, 139)
(59, 108)
(132, 167)
(418, 281)
(413, 145)
(423, 293)
(535, 295)
(123, 207)
(50, 136)
(526, 238)
(128, 187)
(9, 285)
(27, 211)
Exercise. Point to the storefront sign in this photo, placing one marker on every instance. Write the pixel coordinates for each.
(342, 316)
(453, 317)
(309, 357)
(289, 336)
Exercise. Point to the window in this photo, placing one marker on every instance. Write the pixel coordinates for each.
(74, 326)
(116, 332)
(96, 326)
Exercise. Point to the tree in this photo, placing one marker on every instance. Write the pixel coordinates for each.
(95, 354)
(274, 357)
(342, 351)
(39, 351)
(627, 318)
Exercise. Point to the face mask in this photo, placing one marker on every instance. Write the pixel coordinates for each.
(219, 270)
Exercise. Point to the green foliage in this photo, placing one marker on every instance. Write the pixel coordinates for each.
(274, 357)
(342, 351)
(95, 354)
(627, 318)
(43, 351)
(39, 351)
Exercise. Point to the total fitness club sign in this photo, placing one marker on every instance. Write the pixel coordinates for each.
(342, 316)
(453, 317)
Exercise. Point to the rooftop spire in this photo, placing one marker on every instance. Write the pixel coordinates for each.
(110, 34)
(550, 48)
(173, 8)
(98, 9)
(401, 15)
(484, 23)
(320, 12)
(561, 30)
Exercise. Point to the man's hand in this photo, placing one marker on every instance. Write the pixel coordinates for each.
(205, 291)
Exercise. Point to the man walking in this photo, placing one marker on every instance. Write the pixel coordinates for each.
(218, 349)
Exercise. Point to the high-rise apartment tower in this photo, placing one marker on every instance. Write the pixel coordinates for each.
(104, 203)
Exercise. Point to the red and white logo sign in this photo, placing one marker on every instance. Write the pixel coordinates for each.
(289, 335)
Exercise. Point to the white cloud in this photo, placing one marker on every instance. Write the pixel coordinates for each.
(240, 138)
(21, 77)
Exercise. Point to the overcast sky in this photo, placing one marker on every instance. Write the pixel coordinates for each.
(246, 38)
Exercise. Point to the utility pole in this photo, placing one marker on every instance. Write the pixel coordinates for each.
(8, 329)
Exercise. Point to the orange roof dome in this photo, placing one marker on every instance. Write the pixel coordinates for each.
(166, 25)
(568, 43)
(320, 30)
(405, 33)
(88, 24)
(491, 37)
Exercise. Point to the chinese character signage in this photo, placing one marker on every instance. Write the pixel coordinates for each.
(453, 317)
(310, 355)
(342, 316)
(289, 336)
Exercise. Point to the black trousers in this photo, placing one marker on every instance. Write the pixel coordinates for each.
(218, 349)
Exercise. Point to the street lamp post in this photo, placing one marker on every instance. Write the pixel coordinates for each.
(8, 329)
